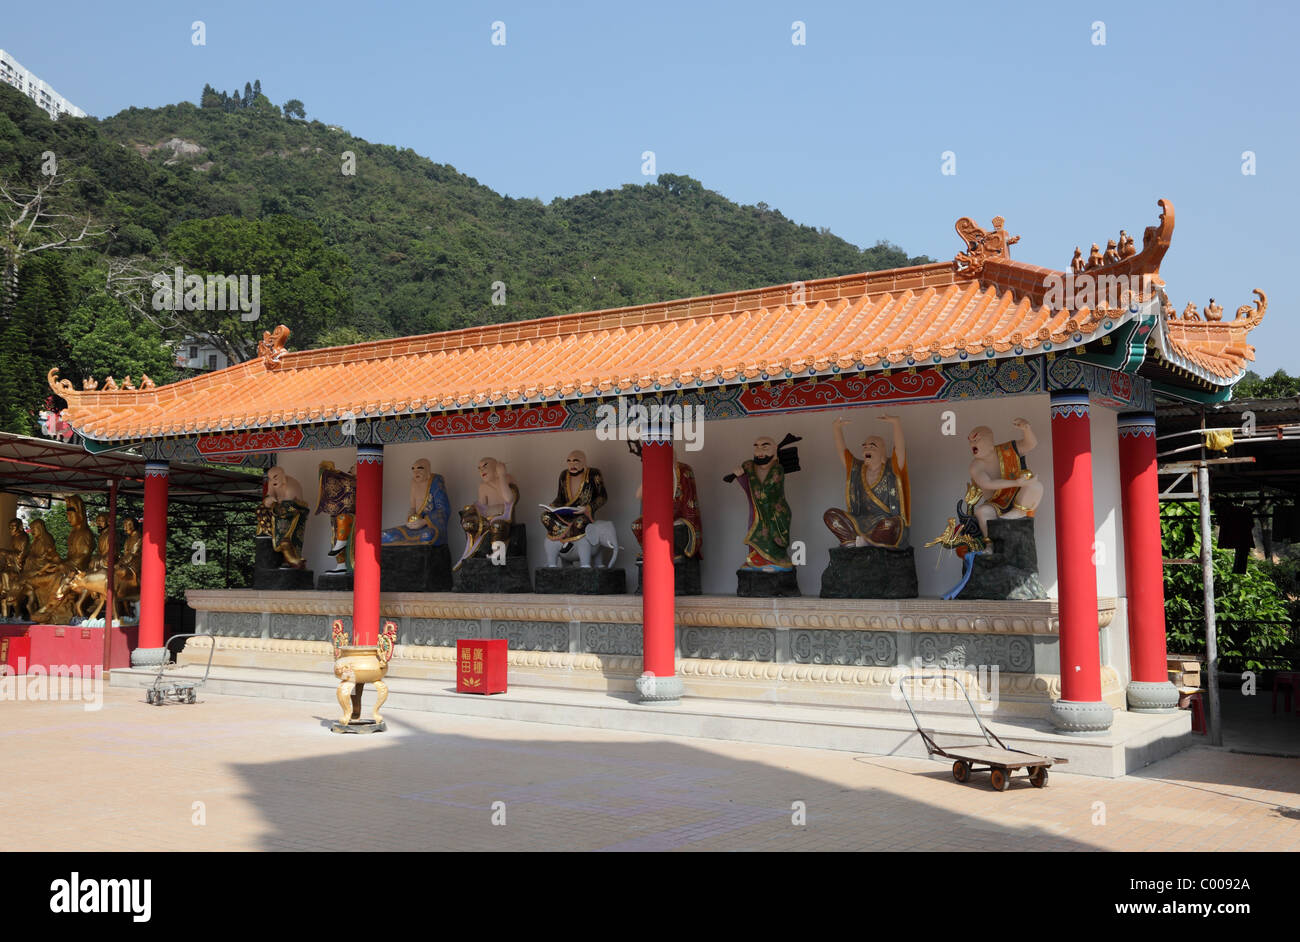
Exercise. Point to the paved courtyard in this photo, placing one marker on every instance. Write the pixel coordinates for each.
(233, 773)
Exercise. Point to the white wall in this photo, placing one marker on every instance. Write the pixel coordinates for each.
(938, 468)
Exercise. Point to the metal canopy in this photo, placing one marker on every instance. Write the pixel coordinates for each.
(1266, 429)
(40, 467)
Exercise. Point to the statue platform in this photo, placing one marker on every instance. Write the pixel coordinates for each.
(270, 574)
(577, 580)
(479, 574)
(754, 583)
(340, 581)
(820, 652)
(870, 572)
(421, 568)
(686, 577)
(1011, 570)
(808, 672)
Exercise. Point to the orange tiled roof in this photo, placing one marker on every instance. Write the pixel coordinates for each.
(951, 310)
(1215, 350)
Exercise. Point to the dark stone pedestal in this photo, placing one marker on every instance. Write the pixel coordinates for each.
(753, 583)
(686, 577)
(359, 726)
(335, 581)
(268, 574)
(870, 572)
(479, 574)
(1011, 570)
(282, 580)
(575, 580)
(414, 568)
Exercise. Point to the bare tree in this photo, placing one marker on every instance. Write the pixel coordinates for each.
(31, 224)
(133, 281)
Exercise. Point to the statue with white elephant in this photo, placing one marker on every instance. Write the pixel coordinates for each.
(574, 534)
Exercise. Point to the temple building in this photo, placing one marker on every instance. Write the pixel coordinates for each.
(1055, 585)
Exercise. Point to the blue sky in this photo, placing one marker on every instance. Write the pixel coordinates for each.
(1069, 140)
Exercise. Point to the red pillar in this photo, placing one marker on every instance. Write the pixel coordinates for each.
(1150, 689)
(365, 544)
(153, 566)
(1080, 709)
(658, 680)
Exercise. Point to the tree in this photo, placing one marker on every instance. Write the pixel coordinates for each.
(293, 108)
(32, 222)
(103, 339)
(210, 97)
(300, 282)
(1250, 612)
(1278, 386)
(30, 342)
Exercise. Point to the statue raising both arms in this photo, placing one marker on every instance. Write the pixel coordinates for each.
(1009, 488)
(877, 494)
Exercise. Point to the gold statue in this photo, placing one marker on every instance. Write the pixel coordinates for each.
(11, 568)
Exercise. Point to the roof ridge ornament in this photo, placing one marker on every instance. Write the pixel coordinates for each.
(1121, 257)
(272, 347)
(981, 244)
(62, 387)
(1248, 315)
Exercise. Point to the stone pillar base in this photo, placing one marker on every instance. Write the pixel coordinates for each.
(659, 689)
(1077, 718)
(148, 657)
(1145, 696)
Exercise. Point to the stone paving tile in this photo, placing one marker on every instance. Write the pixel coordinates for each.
(270, 776)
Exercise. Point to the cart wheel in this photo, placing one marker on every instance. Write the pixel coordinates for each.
(148, 696)
(191, 698)
(999, 779)
(961, 770)
(1038, 777)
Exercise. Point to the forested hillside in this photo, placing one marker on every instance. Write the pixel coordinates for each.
(351, 240)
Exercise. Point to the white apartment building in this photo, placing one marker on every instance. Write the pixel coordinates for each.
(54, 104)
(193, 354)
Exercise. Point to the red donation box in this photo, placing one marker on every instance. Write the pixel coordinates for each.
(480, 666)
